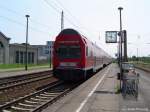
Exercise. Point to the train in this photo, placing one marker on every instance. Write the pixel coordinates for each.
(75, 57)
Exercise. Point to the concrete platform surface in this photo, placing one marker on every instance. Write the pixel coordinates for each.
(21, 72)
(95, 95)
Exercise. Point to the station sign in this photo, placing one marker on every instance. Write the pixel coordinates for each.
(111, 36)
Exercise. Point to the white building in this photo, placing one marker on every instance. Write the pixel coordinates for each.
(45, 52)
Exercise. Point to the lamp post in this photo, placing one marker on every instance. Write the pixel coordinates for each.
(50, 54)
(137, 50)
(120, 42)
(26, 55)
(62, 20)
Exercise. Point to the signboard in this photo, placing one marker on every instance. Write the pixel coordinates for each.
(111, 36)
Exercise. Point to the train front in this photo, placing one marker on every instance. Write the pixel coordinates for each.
(68, 56)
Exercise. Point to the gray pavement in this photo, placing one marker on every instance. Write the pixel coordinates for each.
(95, 95)
(142, 103)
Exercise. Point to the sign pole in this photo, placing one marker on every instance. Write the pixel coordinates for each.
(120, 42)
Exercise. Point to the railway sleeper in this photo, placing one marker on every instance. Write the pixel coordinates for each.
(31, 102)
(27, 105)
(21, 108)
(46, 95)
(52, 94)
(41, 100)
(6, 111)
(42, 97)
(38, 102)
(24, 105)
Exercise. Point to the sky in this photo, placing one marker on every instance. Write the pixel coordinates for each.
(90, 17)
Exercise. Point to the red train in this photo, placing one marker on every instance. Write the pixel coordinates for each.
(74, 56)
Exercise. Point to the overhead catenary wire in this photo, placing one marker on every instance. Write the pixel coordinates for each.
(20, 15)
(21, 24)
(69, 13)
(33, 21)
(79, 26)
(58, 9)
(75, 18)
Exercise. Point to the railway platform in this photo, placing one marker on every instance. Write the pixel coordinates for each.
(98, 94)
(5, 74)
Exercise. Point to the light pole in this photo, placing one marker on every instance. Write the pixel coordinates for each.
(137, 50)
(50, 54)
(62, 20)
(120, 42)
(138, 37)
(26, 55)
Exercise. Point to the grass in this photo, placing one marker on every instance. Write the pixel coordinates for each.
(117, 89)
(142, 64)
(11, 66)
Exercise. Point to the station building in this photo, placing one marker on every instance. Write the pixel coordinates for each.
(15, 53)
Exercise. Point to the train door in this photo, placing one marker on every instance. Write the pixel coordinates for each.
(94, 67)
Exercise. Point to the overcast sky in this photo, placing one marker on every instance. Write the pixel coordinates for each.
(90, 17)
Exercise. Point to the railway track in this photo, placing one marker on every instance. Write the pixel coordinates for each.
(38, 100)
(142, 68)
(24, 85)
(10, 82)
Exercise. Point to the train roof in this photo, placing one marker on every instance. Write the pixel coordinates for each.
(69, 31)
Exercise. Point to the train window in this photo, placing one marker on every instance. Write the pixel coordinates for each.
(89, 52)
(72, 51)
(86, 51)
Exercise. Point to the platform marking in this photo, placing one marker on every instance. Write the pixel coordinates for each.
(90, 94)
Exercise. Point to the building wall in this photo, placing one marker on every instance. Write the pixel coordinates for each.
(5, 49)
(1, 53)
(44, 52)
(18, 52)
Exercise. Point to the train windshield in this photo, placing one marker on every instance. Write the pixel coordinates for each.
(69, 51)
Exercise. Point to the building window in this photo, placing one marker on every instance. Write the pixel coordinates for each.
(86, 51)
(21, 57)
(24, 54)
(46, 47)
(29, 57)
(1, 45)
(32, 57)
(17, 57)
(46, 51)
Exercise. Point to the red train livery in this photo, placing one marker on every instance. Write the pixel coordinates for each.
(74, 56)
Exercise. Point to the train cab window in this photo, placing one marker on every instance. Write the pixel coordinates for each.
(71, 51)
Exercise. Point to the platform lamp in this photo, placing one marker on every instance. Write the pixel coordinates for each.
(26, 55)
(120, 42)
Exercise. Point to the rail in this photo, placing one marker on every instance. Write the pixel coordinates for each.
(15, 79)
(24, 79)
(37, 101)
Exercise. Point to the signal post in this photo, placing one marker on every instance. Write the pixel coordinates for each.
(111, 37)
